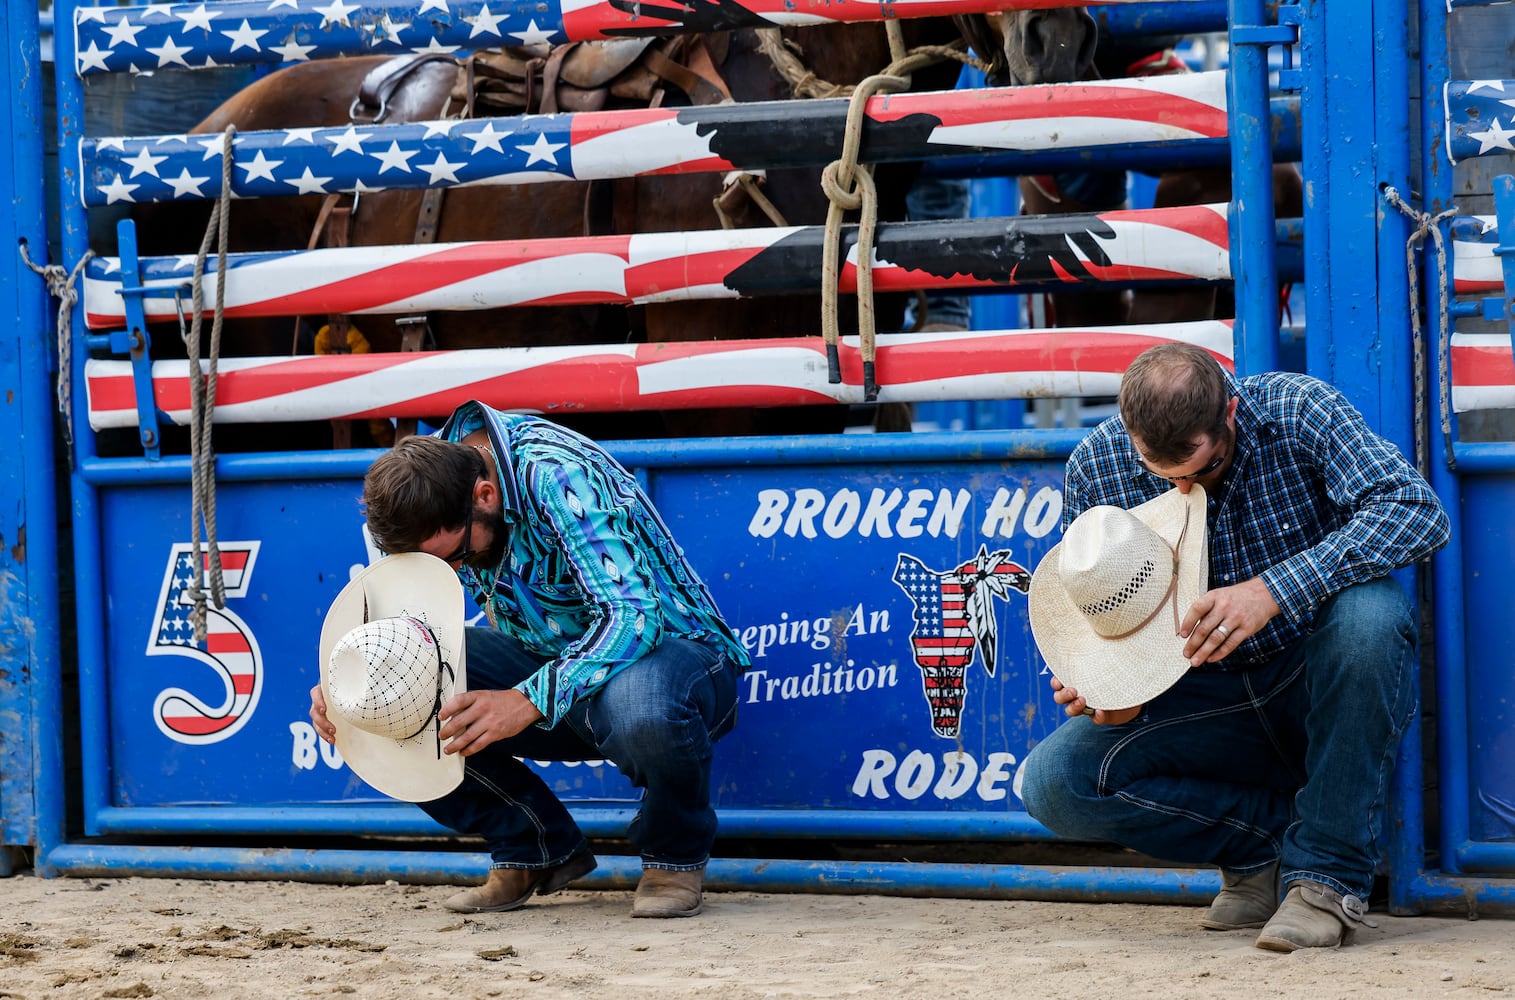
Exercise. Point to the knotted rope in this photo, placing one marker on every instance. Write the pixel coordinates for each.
(202, 399)
(1427, 225)
(849, 186)
(63, 286)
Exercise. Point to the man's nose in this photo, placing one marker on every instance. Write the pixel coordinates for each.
(1185, 486)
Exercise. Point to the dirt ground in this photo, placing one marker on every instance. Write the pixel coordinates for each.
(95, 938)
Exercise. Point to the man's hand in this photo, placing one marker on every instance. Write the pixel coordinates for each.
(1218, 622)
(475, 719)
(318, 719)
(1075, 706)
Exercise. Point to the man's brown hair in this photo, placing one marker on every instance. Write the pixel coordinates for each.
(1169, 395)
(421, 486)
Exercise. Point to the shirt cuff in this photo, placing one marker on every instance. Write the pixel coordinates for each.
(1298, 587)
(537, 690)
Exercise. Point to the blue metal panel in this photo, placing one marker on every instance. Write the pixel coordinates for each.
(833, 656)
(1470, 576)
(1488, 544)
(864, 761)
(30, 738)
(1359, 331)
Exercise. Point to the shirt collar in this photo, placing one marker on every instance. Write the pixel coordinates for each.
(473, 416)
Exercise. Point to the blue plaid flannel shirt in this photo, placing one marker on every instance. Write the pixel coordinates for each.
(1314, 501)
(592, 578)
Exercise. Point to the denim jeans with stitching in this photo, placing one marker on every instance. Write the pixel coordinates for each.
(657, 720)
(1287, 761)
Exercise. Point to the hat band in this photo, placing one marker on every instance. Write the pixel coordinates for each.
(1168, 596)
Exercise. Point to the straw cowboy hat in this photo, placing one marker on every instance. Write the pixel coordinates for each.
(1107, 600)
(391, 657)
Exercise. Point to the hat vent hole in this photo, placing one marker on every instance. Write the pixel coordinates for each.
(1122, 596)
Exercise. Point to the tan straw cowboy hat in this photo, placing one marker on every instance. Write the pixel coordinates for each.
(391, 657)
(1107, 601)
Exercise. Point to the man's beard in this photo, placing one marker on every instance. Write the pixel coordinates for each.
(489, 557)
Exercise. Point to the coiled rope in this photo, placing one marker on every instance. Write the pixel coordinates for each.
(202, 400)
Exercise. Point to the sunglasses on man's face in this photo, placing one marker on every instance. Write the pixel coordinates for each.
(465, 549)
(1214, 464)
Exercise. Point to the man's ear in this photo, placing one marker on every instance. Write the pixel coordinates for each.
(1231, 412)
(484, 493)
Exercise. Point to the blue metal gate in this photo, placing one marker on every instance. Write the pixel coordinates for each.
(809, 545)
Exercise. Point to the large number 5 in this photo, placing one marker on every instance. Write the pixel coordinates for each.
(229, 648)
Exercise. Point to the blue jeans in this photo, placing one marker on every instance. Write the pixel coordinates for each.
(1288, 761)
(937, 198)
(657, 719)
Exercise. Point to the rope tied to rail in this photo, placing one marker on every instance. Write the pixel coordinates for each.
(1428, 225)
(202, 400)
(63, 285)
(849, 185)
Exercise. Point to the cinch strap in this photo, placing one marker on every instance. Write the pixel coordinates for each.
(436, 701)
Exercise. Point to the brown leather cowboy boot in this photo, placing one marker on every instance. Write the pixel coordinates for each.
(1244, 900)
(664, 893)
(510, 888)
(1313, 916)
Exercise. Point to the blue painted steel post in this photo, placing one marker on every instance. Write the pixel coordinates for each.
(1356, 139)
(31, 768)
(1407, 844)
(94, 725)
(1252, 260)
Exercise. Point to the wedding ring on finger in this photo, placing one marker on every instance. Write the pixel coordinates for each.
(1225, 633)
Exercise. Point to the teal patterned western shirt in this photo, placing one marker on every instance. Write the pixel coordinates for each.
(1313, 501)
(591, 580)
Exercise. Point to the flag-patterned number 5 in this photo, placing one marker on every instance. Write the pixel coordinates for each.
(229, 647)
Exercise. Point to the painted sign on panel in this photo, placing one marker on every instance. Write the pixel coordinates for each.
(883, 608)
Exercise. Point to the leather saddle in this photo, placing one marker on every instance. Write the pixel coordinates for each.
(583, 76)
(537, 79)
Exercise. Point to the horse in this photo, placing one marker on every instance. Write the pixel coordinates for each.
(1063, 45)
(321, 94)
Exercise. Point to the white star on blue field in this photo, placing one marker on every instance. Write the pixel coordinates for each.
(282, 32)
(325, 160)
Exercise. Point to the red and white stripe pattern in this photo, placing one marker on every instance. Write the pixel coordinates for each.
(1004, 364)
(1097, 113)
(1475, 267)
(1190, 242)
(1483, 372)
(599, 145)
(587, 18)
(229, 650)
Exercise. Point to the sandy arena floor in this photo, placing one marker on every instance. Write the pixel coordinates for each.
(78, 938)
